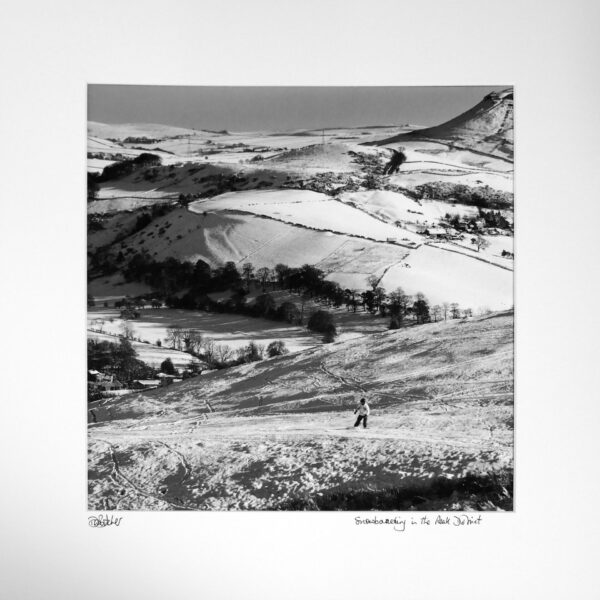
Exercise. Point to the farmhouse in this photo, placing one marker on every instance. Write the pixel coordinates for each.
(146, 384)
(102, 382)
(166, 379)
(436, 232)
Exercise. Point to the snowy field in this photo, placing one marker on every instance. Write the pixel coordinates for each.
(114, 287)
(267, 434)
(420, 153)
(304, 208)
(492, 253)
(411, 178)
(428, 162)
(319, 157)
(234, 331)
(150, 354)
(353, 262)
(223, 236)
(260, 435)
(295, 227)
(449, 277)
(454, 274)
(394, 206)
(237, 330)
(220, 237)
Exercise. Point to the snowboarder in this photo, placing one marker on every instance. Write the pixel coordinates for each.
(363, 412)
(397, 159)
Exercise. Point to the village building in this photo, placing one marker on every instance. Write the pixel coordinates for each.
(146, 384)
(436, 232)
(167, 379)
(102, 382)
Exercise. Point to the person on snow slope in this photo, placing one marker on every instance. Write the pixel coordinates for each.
(363, 411)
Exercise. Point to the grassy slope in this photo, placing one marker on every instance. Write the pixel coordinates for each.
(441, 398)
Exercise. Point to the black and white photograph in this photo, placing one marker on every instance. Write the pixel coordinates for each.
(300, 298)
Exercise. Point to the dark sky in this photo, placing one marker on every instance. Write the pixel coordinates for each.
(279, 108)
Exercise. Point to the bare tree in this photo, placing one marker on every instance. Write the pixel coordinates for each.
(191, 340)
(445, 308)
(251, 353)
(372, 281)
(282, 272)
(263, 274)
(304, 298)
(223, 352)
(174, 337)
(247, 273)
(480, 242)
(273, 278)
(379, 295)
(185, 335)
(454, 310)
(436, 312)
(127, 331)
(399, 303)
(420, 308)
(350, 295)
(195, 340)
(208, 349)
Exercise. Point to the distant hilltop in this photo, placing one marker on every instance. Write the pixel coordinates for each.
(487, 127)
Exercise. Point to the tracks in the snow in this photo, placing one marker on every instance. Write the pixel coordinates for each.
(182, 459)
(351, 382)
(118, 477)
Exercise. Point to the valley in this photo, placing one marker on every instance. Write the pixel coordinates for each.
(245, 289)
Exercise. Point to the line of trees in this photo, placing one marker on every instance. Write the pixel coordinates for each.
(490, 218)
(172, 277)
(482, 196)
(220, 356)
(119, 169)
(118, 359)
(123, 168)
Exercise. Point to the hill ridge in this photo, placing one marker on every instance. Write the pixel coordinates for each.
(487, 126)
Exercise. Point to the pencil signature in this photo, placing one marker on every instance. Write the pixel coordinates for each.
(104, 521)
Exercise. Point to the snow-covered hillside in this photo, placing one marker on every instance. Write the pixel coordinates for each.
(260, 435)
(278, 433)
(485, 128)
